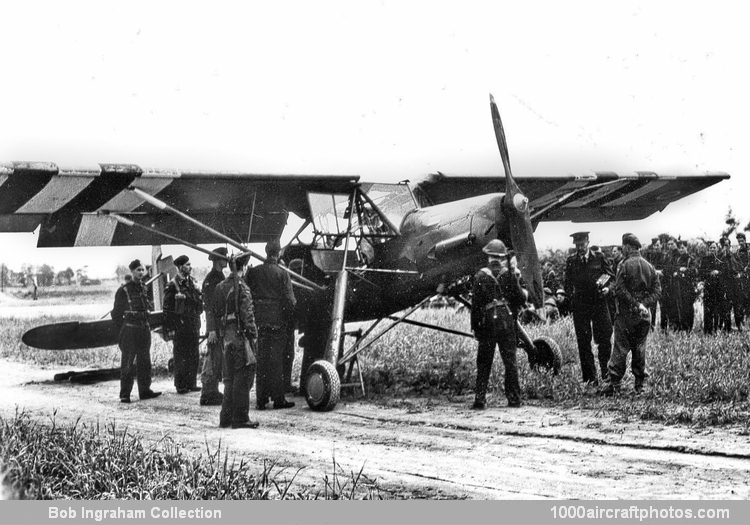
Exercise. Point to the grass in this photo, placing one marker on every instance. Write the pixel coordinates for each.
(694, 379)
(58, 294)
(77, 461)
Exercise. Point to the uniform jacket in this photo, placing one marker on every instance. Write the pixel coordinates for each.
(272, 293)
(486, 289)
(636, 282)
(131, 297)
(224, 302)
(581, 276)
(210, 283)
(193, 305)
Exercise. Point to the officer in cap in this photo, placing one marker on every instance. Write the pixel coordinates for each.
(232, 311)
(497, 297)
(183, 305)
(274, 310)
(211, 372)
(586, 282)
(637, 287)
(130, 316)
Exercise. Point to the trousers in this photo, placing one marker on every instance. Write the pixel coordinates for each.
(238, 380)
(135, 361)
(593, 320)
(630, 337)
(506, 342)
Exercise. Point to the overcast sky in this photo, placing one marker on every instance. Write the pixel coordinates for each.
(386, 90)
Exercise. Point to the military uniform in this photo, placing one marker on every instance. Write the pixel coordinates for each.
(743, 283)
(657, 259)
(232, 310)
(130, 316)
(274, 307)
(590, 310)
(678, 290)
(211, 372)
(496, 300)
(636, 284)
(714, 292)
(183, 305)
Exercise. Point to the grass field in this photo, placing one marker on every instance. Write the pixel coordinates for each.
(47, 461)
(694, 379)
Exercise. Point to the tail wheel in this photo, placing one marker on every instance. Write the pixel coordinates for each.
(323, 386)
(546, 354)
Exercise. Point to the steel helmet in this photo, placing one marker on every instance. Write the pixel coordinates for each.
(496, 248)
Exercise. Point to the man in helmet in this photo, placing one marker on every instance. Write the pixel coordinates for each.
(586, 273)
(497, 297)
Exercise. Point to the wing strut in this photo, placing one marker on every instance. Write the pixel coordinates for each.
(166, 207)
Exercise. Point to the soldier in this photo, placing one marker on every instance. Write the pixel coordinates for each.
(684, 277)
(714, 294)
(730, 283)
(655, 256)
(549, 278)
(587, 274)
(182, 316)
(274, 303)
(497, 297)
(232, 311)
(669, 299)
(636, 288)
(211, 373)
(743, 277)
(130, 316)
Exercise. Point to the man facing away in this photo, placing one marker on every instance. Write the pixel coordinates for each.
(637, 288)
(232, 310)
(585, 273)
(211, 372)
(497, 297)
(182, 315)
(130, 316)
(274, 310)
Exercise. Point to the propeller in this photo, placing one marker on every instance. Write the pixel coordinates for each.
(515, 210)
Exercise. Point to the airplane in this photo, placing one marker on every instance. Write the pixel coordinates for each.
(379, 251)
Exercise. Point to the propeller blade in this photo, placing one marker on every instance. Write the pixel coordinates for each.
(515, 210)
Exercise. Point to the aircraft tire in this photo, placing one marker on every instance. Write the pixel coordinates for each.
(547, 355)
(323, 386)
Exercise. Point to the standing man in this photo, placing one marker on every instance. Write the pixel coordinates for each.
(637, 287)
(232, 310)
(211, 373)
(130, 316)
(654, 255)
(743, 277)
(683, 286)
(730, 284)
(274, 310)
(586, 276)
(182, 316)
(670, 299)
(714, 294)
(497, 297)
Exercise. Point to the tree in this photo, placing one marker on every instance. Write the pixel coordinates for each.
(46, 275)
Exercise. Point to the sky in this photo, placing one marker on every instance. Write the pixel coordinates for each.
(386, 90)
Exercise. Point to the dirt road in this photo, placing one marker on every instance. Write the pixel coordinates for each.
(427, 448)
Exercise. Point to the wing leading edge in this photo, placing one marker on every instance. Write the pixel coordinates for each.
(68, 203)
(603, 196)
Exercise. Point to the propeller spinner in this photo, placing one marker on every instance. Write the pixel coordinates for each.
(515, 210)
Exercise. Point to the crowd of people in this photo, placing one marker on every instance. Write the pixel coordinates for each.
(712, 272)
(249, 324)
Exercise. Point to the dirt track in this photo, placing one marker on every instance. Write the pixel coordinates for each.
(428, 448)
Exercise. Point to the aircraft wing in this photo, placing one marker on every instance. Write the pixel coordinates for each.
(603, 196)
(67, 203)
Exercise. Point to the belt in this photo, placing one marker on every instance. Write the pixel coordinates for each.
(143, 324)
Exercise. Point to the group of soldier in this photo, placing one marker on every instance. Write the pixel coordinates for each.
(248, 322)
(592, 286)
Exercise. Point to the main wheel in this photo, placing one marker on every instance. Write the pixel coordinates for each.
(323, 386)
(546, 354)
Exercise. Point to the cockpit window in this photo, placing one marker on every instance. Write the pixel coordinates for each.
(394, 200)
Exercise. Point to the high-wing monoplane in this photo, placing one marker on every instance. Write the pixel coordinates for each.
(378, 250)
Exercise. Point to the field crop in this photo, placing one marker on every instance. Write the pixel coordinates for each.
(47, 461)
